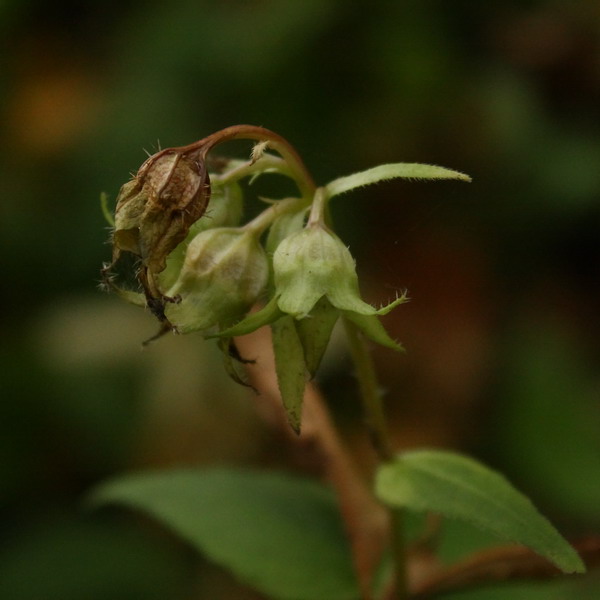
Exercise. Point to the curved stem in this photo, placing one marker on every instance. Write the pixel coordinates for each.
(252, 132)
(377, 425)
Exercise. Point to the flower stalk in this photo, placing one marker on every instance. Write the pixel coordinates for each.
(372, 404)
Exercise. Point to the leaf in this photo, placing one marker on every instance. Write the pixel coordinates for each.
(269, 313)
(314, 332)
(279, 534)
(290, 368)
(460, 487)
(371, 326)
(391, 171)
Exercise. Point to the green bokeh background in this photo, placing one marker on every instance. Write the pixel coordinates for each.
(502, 330)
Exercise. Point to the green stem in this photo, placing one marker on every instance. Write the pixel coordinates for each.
(380, 438)
(317, 210)
(249, 168)
(267, 216)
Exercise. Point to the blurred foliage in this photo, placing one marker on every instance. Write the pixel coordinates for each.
(502, 331)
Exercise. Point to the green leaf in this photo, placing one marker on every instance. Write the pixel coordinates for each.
(290, 368)
(314, 332)
(391, 171)
(232, 360)
(460, 487)
(280, 534)
(371, 326)
(269, 313)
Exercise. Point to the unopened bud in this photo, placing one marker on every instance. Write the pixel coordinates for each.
(226, 206)
(224, 272)
(314, 263)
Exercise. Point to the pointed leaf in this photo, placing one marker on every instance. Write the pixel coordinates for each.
(314, 332)
(290, 368)
(391, 171)
(269, 313)
(232, 360)
(280, 534)
(460, 487)
(371, 326)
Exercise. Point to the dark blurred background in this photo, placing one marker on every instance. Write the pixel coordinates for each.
(502, 329)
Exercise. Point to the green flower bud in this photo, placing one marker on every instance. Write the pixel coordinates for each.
(312, 264)
(226, 205)
(224, 272)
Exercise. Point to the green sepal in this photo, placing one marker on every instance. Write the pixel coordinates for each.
(384, 310)
(314, 332)
(106, 213)
(228, 361)
(290, 368)
(284, 226)
(371, 326)
(130, 296)
(268, 314)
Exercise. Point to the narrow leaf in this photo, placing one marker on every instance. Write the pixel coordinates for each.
(371, 326)
(232, 360)
(314, 332)
(391, 171)
(460, 487)
(279, 534)
(269, 313)
(290, 368)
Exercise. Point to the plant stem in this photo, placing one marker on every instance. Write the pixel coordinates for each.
(378, 430)
(278, 143)
(267, 216)
(274, 164)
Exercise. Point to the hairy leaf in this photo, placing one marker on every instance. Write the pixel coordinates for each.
(460, 487)
(291, 369)
(391, 171)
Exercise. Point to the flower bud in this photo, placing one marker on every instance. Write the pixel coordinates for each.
(226, 205)
(314, 263)
(224, 272)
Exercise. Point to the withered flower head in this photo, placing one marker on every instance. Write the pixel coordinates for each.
(155, 211)
(158, 206)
